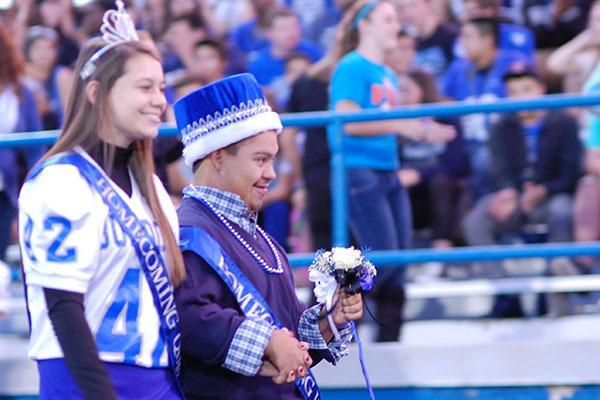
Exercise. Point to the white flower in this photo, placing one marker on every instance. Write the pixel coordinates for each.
(325, 285)
(345, 258)
(322, 262)
(371, 270)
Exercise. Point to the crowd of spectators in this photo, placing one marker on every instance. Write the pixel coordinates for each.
(500, 175)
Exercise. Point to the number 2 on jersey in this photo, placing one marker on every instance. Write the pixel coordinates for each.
(54, 253)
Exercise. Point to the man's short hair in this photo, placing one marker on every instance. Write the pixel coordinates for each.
(194, 21)
(486, 26)
(279, 13)
(521, 69)
(215, 44)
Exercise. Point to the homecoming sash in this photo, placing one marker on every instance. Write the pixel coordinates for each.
(251, 302)
(147, 250)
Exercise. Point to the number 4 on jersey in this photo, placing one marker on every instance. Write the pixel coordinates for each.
(118, 330)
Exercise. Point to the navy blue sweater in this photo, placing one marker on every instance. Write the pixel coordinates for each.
(210, 316)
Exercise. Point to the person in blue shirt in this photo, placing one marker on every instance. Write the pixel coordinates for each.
(284, 38)
(379, 206)
(251, 37)
(478, 78)
(586, 213)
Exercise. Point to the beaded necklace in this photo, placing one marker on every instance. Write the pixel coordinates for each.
(259, 260)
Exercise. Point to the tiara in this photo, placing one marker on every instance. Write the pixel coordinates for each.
(117, 27)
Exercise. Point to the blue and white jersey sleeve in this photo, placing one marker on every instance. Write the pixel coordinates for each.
(60, 235)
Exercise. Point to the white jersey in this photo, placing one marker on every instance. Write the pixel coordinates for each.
(70, 241)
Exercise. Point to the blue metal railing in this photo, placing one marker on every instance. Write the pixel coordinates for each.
(467, 254)
(335, 121)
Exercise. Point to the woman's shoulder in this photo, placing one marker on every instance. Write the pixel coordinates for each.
(57, 189)
(351, 58)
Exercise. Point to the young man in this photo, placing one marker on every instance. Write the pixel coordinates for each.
(512, 36)
(239, 313)
(284, 34)
(210, 61)
(536, 157)
(478, 78)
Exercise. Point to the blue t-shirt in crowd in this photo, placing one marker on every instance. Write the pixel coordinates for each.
(463, 82)
(248, 38)
(265, 67)
(518, 38)
(513, 38)
(369, 85)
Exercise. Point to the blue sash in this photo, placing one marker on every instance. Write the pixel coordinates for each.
(251, 302)
(147, 250)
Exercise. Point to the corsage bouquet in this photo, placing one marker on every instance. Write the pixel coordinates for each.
(348, 269)
(343, 267)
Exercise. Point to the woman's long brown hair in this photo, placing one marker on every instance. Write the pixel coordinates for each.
(84, 120)
(11, 61)
(347, 36)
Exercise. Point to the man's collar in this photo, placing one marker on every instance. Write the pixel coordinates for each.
(228, 204)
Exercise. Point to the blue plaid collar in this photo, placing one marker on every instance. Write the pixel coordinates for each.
(230, 205)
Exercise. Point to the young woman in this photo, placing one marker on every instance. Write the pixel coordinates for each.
(380, 216)
(98, 236)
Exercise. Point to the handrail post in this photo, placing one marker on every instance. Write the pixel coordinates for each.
(339, 190)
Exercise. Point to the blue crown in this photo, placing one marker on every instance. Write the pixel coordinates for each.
(223, 113)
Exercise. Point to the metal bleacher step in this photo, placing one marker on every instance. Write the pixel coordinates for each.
(540, 352)
(433, 354)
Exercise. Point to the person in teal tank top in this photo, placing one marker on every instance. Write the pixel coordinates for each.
(380, 216)
(586, 207)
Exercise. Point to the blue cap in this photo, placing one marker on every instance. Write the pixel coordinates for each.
(222, 113)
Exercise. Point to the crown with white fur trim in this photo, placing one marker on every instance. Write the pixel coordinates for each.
(223, 113)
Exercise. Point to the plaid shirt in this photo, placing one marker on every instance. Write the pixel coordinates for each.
(249, 342)
(228, 204)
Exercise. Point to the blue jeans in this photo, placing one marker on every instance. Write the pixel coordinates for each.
(380, 219)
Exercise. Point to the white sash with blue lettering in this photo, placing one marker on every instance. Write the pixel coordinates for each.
(147, 250)
(249, 299)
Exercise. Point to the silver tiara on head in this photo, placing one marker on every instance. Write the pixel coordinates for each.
(117, 27)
